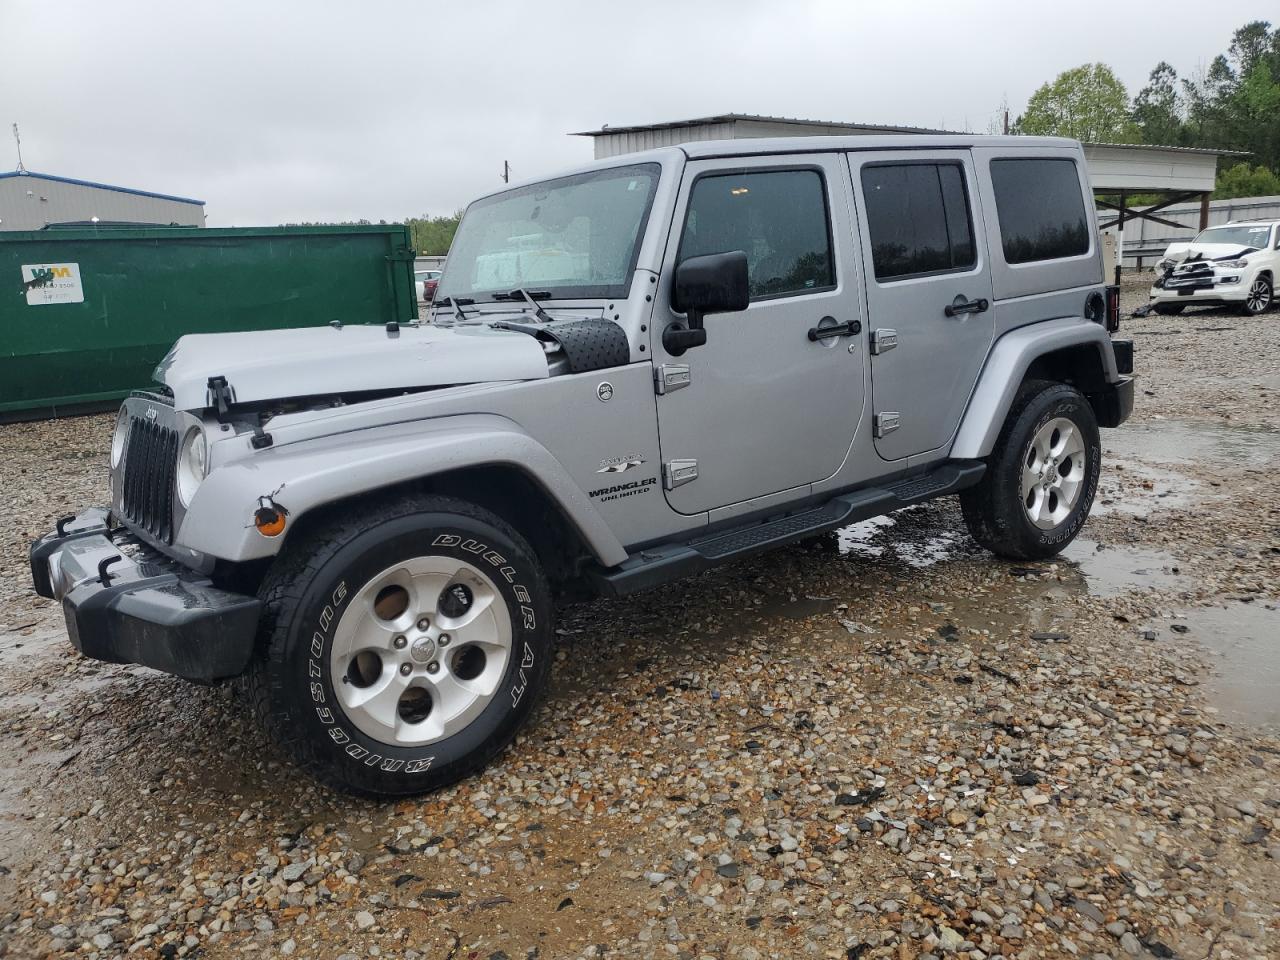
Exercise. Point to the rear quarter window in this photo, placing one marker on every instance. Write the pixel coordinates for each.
(1040, 209)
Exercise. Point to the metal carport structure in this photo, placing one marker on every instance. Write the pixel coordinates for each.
(1123, 170)
(1174, 174)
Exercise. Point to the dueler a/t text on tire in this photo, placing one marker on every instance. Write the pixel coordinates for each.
(1041, 477)
(402, 645)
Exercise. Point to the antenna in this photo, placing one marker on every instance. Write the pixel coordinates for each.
(17, 138)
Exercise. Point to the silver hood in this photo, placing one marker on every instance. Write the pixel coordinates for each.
(271, 364)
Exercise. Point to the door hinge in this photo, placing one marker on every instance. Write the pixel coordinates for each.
(883, 340)
(669, 377)
(886, 423)
(678, 472)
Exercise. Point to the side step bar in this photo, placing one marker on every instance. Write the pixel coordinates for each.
(654, 566)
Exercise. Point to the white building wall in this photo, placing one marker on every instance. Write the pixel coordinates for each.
(1139, 168)
(614, 144)
(31, 202)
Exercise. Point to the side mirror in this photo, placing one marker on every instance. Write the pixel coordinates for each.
(715, 283)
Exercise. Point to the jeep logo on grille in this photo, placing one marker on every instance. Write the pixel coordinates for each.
(151, 413)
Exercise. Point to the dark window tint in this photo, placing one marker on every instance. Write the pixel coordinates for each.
(1041, 212)
(918, 217)
(778, 218)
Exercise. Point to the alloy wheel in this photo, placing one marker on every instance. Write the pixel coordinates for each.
(420, 650)
(1259, 296)
(1053, 469)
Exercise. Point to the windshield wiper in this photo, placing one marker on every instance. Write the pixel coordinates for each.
(531, 298)
(455, 302)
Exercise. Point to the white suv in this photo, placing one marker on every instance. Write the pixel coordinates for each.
(1232, 264)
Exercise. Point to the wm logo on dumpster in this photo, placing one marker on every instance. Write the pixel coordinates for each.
(52, 283)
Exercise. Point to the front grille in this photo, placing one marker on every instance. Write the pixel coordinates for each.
(150, 466)
(1193, 275)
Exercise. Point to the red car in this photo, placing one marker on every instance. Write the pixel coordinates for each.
(426, 282)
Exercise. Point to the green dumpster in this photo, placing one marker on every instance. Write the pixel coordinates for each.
(86, 315)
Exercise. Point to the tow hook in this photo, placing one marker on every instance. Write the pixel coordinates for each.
(104, 577)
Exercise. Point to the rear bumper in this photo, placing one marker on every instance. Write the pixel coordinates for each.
(1113, 405)
(125, 603)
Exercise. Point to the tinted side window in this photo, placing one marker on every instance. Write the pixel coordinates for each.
(778, 217)
(918, 217)
(1041, 212)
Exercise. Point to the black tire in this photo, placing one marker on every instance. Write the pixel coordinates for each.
(1262, 305)
(994, 511)
(289, 683)
(1170, 309)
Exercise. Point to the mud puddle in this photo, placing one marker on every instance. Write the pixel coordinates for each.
(1243, 640)
(915, 537)
(1183, 442)
(1112, 570)
(1135, 489)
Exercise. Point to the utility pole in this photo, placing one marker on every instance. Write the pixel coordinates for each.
(506, 172)
(1006, 123)
(18, 140)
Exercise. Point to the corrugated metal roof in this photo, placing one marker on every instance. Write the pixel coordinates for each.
(100, 186)
(881, 128)
(1155, 146)
(730, 117)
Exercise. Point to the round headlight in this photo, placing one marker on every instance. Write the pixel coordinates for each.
(192, 464)
(118, 438)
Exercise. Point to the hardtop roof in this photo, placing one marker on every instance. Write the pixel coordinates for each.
(700, 149)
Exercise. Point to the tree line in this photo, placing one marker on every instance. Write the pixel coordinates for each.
(1232, 104)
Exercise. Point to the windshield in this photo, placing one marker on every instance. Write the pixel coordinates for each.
(1239, 236)
(571, 238)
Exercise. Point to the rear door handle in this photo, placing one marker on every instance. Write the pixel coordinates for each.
(852, 328)
(960, 305)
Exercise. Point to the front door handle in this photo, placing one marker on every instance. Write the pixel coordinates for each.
(852, 328)
(960, 305)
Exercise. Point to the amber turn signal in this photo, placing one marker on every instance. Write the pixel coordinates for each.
(269, 521)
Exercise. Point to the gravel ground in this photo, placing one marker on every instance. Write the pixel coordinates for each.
(892, 745)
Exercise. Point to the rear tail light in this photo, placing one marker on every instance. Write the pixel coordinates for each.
(1113, 308)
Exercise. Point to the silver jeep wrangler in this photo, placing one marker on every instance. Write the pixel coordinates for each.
(634, 372)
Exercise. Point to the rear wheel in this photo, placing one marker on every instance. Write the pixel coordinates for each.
(1041, 477)
(1259, 297)
(402, 648)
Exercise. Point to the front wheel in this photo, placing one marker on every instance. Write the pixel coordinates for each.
(403, 645)
(1041, 478)
(1259, 297)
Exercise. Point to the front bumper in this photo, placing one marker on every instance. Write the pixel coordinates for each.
(126, 603)
(1202, 291)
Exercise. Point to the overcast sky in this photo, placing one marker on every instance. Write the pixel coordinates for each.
(274, 111)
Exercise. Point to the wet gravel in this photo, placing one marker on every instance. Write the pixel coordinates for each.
(884, 745)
